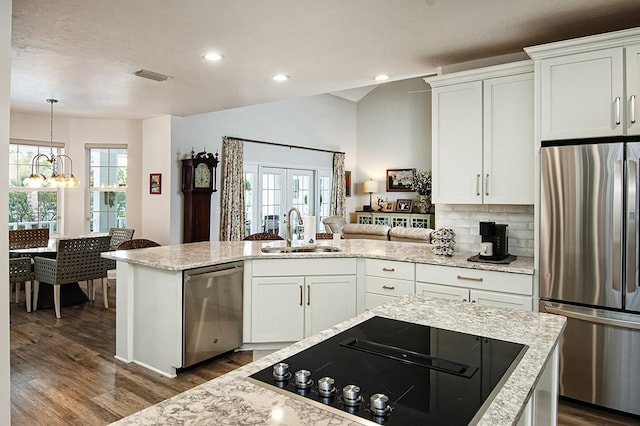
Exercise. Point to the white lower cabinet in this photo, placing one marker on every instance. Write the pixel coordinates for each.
(385, 280)
(501, 289)
(287, 308)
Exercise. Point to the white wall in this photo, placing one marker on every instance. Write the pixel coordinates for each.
(5, 92)
(157, 158)
(75, 133)
(324, 121)
(394, 132)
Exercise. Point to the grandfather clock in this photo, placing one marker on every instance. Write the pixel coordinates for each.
(198, 182)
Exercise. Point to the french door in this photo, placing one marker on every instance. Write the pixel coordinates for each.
(279, 190)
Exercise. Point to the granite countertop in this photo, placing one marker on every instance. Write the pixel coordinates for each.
(231, 399)
(194, 255)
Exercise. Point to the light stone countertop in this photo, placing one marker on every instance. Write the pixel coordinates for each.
(194, 255)
(230, 399)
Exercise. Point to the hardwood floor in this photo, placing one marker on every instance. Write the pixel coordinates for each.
(63, 372)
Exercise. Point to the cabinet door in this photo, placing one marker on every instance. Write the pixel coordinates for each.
(581, 95)
(501, 300)
(508, 140)
(633, 89)
(442, 291)
(278, 309)
(457, 143)
(328, 301)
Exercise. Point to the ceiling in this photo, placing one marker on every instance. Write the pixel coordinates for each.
(83, 52)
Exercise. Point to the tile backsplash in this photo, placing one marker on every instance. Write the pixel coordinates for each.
(464, 219)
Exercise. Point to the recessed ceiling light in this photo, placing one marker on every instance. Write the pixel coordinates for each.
(381, 77)
(281, 77)
(212, 56)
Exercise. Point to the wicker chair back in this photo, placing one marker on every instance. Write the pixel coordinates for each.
(28, 238)
(118, 236)
(262, 236)
(19, 269)
(137, 243)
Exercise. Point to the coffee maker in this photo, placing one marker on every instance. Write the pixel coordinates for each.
(495, 241)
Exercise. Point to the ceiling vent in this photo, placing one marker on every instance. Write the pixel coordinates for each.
(155, 76)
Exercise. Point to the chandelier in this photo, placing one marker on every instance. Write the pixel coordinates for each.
(58, 177)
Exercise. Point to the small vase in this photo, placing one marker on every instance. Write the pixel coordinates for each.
(423, 205)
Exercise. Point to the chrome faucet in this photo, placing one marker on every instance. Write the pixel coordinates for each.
(289, 230)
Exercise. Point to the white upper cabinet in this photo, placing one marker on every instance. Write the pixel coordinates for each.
(483, 136)
(582, 86)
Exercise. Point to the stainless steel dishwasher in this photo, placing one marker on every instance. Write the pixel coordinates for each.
(212, 311)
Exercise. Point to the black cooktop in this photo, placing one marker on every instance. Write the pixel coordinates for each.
(394, 372)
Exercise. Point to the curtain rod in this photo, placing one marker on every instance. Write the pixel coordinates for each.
(287, 146)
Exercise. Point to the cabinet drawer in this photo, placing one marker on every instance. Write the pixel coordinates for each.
(303, 267)
(372, 300)
(389, 269)
(388, 287)
(442, 291)
(505, 282)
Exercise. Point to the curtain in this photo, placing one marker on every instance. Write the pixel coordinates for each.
(337, 187)
(232, 191)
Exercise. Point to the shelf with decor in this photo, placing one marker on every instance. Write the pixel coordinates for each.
(415, 220)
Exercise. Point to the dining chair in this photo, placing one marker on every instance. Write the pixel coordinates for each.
(77, 259)
(20, 272)
(263, 236)
(118, 235)
(28, 238)
(137, 243)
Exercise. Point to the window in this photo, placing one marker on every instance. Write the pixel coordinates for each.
(325, 196)
(107, 187)
(31, 207)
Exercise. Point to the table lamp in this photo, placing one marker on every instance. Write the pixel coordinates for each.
(369, 186)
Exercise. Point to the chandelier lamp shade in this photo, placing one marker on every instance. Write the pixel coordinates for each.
(58, 179)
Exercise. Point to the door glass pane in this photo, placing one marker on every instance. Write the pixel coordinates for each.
(249, 183)
(271, 202)
(325, 200)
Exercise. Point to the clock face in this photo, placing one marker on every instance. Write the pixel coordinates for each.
(202, 176)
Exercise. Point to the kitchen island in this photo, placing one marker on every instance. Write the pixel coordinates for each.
(527, 396)
(149, 295)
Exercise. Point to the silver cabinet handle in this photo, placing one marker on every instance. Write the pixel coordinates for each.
(300, 295)
(462, 277)
(633, 109)
(389, 269)
(486, 185)
(478, 185)
(618, 110)
(386, 287)
(308, 295)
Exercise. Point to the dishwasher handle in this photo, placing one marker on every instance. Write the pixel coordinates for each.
(214, 274)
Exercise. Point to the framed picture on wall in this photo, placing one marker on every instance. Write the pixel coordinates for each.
(155, 183)
(347, 183)
(404, 205)
(399, 180)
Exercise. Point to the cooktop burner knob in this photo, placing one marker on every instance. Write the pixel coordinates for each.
(351, 394)
(378, 403)
(281, 371)
(303, 379)
(326, 386)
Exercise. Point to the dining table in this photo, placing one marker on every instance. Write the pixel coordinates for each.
(70, 294)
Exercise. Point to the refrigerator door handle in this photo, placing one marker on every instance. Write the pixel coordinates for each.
(566, 311)
(630, 219)
(617, 225)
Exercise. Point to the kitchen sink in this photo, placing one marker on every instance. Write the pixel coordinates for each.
(302, 249)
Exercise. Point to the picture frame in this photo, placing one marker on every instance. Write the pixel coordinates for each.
(347, 183)
(404, 205)
(155, 183)
(399, 180)
(388, 206)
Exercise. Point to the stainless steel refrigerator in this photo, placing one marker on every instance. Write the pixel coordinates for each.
(589, 247)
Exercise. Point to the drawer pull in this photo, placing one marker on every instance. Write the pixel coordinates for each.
(386, 287)
(462, 277)
(389, 269)
(300, 295)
